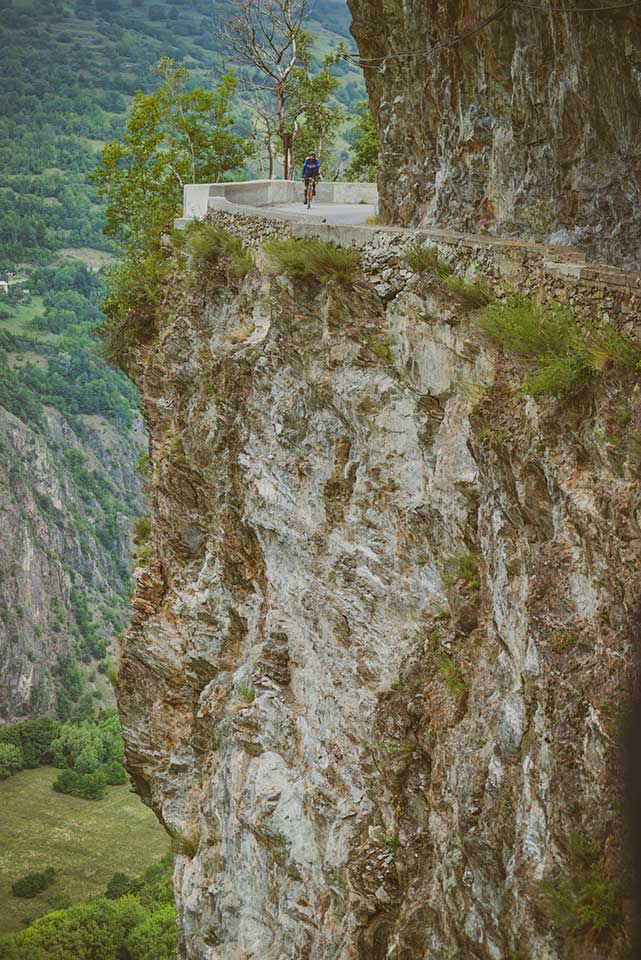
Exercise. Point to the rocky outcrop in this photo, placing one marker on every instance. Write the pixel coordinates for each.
(526, 128)
(68, 494)
(379, 659)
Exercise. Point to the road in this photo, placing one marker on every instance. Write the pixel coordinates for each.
(343, 213)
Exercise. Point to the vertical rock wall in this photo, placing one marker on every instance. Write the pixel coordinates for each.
(379, 659)
(528, 128)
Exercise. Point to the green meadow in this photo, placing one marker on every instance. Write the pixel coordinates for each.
(85, 841)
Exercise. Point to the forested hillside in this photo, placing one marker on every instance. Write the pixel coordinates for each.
(69, 439)
(67, 75)
(70, 429)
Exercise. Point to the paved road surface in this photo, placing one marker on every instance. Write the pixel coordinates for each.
(351, 213)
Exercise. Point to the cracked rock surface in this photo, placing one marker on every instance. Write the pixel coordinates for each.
(528, 128)
(373, 672)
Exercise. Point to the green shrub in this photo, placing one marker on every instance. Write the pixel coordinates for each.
(156, 885)
(131, 307)
(583, 897)
(11, 760)
(95, 930)
(422, 259)
(564, 354)
(119, 885)
(312, 258)
(142, 528)
(209, 243)
(474, 294)
(33, 883)
(141, 538)
(450, 671)
(464, 567)
(88, 786)
(115, 773)
(156, 938)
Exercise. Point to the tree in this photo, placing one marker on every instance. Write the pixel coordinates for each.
(173, 136)
(156, 938)
(36, 737)
(314, 120)
(96, 930)
(88, 786)
(118, 886)
(33, 883)
(364, 143)
(11, 760)
(266, 35)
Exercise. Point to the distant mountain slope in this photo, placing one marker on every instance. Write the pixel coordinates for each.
(70, 436)
(68, 489)
(67, 73)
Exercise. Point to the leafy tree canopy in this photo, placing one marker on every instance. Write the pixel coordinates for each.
(364, 142)
(174, 135)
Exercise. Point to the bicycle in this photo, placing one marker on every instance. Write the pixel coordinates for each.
(310, 190)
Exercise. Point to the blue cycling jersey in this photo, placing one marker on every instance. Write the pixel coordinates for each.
(310, 167)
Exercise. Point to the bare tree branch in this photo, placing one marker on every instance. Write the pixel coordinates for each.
(264, 35)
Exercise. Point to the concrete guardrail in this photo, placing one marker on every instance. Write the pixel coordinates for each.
(265, 193)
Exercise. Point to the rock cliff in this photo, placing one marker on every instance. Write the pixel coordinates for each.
(380, 655)
(528, 128)
(68, 494)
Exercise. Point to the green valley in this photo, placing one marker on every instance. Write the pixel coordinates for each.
(69, 70)
(85, 842)
(71, 432)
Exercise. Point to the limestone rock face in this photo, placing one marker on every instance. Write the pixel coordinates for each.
(529, 127)
(374, 670)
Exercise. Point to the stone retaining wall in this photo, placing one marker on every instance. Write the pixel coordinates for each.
(536, 269)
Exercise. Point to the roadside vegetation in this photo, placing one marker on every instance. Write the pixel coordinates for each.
(209, 244)
(174, 135)
(314, 259)
(563, 352)
(422, 258)
(425, 259)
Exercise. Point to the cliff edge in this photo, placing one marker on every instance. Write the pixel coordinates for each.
(379, 658)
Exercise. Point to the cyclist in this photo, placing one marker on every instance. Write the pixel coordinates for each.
(311, 171)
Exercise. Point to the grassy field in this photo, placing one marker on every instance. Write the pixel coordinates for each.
(86, 841)
(22, 315)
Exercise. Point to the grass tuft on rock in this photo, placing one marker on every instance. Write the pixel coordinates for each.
(475, 295)
(451, 674)
(564, 353)
(208, 244)
(314, 259)
(583, 897)
(382, 350)
(465, 567)
(185, 843)
(422, 259)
